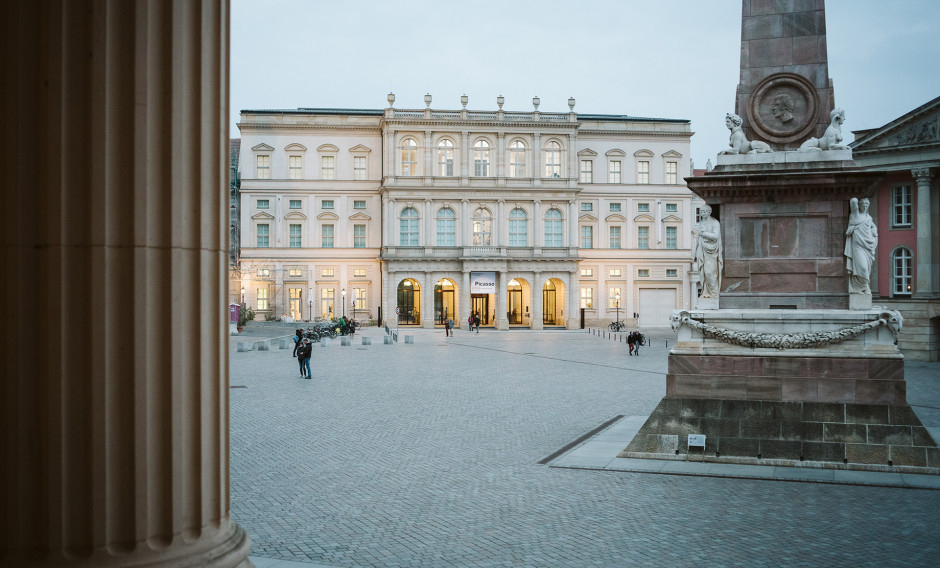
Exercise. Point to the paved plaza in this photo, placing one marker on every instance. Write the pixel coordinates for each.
(427, 455)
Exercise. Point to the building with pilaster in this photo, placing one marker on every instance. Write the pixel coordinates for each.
(526, 219)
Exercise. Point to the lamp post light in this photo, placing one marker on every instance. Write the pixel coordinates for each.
(243, 296)
(618, 307)
(344, 301)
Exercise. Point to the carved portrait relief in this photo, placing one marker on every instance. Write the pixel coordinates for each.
(783, 108)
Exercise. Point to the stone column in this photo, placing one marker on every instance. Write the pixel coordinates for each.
(502, 301)
(500, 235)
(116, 448)
(391, 216)
(926, 266)
(536, 321)
(573, 241)
(429, 238)
(538, 235)
(464, 309)
(464, 227)
(427, 301)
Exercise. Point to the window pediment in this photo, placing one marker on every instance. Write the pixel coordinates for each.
(262, 216)
(672, 219)
(327, 148)
(615, 218)
(295, 215)
(644, 218)
(616, 153)
(360, 217)
(262, 148)
(643, 154)
(359, 148)
(295, 147)
(587, 152)
(587, 217)
(328, 217)
(672, 154)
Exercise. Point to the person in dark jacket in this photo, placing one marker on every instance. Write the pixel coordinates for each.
(298, 337)
(303, 357)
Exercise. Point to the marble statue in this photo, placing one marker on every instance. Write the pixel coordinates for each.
(861, 240)
(739, 143)
(832, 139)
(706, 253)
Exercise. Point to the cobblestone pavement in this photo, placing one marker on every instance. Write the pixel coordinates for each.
(427, 455)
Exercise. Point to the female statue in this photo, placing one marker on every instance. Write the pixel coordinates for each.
(861, 240)
(739, 143)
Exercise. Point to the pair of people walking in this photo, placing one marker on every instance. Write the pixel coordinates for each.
(634, 340)
(304, 352)
(473, 321)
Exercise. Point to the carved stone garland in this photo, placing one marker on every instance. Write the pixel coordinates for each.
(892, 319)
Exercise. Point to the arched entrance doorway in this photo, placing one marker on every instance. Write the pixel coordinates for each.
(518, 301)
(444, 303)
(409, 302)
(553, 311)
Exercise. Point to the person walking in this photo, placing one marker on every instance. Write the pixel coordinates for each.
(476, 321)
(298, 336)
(631, 341)
(470, 323)
(303, 356)
(447, 328)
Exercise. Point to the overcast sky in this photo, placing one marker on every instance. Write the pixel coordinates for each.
(652, 58)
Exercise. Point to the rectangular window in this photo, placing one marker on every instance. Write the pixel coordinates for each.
(642, 207)
(326, 272)
(359, 168)
(587, 273)
(615, 237)
(327, 236)
(295, 272)
(587, 207)
(613, 297)
(295, 204)
(672, 208)
(263, 273)
(359, 298)
(326, 204)
(327, 167)
(587, 171)
(643, 272)
(359, 204)
(672, 173)
(326, 302)
(262, 298)
(359, 272)
(901, 206)
(672, 273)
(359, 236)
(295, 234)
(615, 208)
(264, 167)
(643, 172)
(614, 175)
(671, 238)
(615, 273)
(587, 237)
(263, 236)
(587, 298)
(295, 167)
(643, 237)
(264, 204)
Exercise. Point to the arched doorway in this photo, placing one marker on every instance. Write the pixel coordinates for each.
(518, 301)
(409, 302)
(553, 311)
(444, 303)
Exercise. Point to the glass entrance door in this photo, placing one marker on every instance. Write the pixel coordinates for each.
(514, 309)
(444, 301)
(409, 303)
(296, 303)
(480, 306)
(548, 304)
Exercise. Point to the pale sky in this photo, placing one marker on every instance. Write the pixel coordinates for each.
(652, 58)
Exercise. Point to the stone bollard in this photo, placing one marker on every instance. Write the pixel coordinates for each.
(262, 346)
(285, 344)
(387, 340)
(326, 342)
(345, 342)
(367, 341)
(244, 346)
(409, 339)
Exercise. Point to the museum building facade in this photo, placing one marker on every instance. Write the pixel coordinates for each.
(415, 216)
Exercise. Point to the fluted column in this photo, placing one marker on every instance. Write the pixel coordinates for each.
(536, 321)
(926, 266)
(114, 397)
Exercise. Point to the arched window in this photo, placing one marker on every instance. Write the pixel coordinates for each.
(446, 227)
(482, 227)
(518, 228)
(553, 234)
(553, 160)
(445, 158)
(901, 260)
(409, 227)
(517, 159)
(409, 157)
(481, 158)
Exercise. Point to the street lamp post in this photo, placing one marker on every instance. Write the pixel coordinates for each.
(243, 297)
(344, 301)
(618, 308)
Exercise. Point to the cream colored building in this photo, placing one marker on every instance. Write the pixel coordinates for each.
(524, 218)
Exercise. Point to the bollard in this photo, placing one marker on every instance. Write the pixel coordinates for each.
(244, 346)
(284, 344)
(387, 340)
(367, 341)
(409, 339)
(326, 342)
(262, 346)
(344, 342)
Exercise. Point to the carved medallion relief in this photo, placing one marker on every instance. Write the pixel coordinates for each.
(783, 108)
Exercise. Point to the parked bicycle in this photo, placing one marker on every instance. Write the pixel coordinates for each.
(618, 326)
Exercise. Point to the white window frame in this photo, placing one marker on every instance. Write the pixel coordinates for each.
(616, 207)
(327, 236)
(360, 168)
(674, 239)
(643, 237)
(409, 227)
(292, 202)
(359, 204)
(446, 227)
(612, 301)
(263, 231)
(672, 172)
(295, 235)
(263, 166)
(642, 272)
(517, 159)
(263, 204)
(481, 158)
(552, 159)
(445, 158)
(359, 272)
(616, 273)
(587, 171)
(359, 235)
(482, 225)
(587, 273)
(261, 299)
(615, 171)
(587, 237)
(587, 297)
(672, 273)
(902, 271)
(616, 241)
(518, 228)
(328, 168)
(642, 172)
(327, 272)
(409, 157)
(327, 204)
(295, 166)
(554, 228)
(902, 207)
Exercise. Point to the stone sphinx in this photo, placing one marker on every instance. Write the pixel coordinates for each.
(739, 143)
(832, 139)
